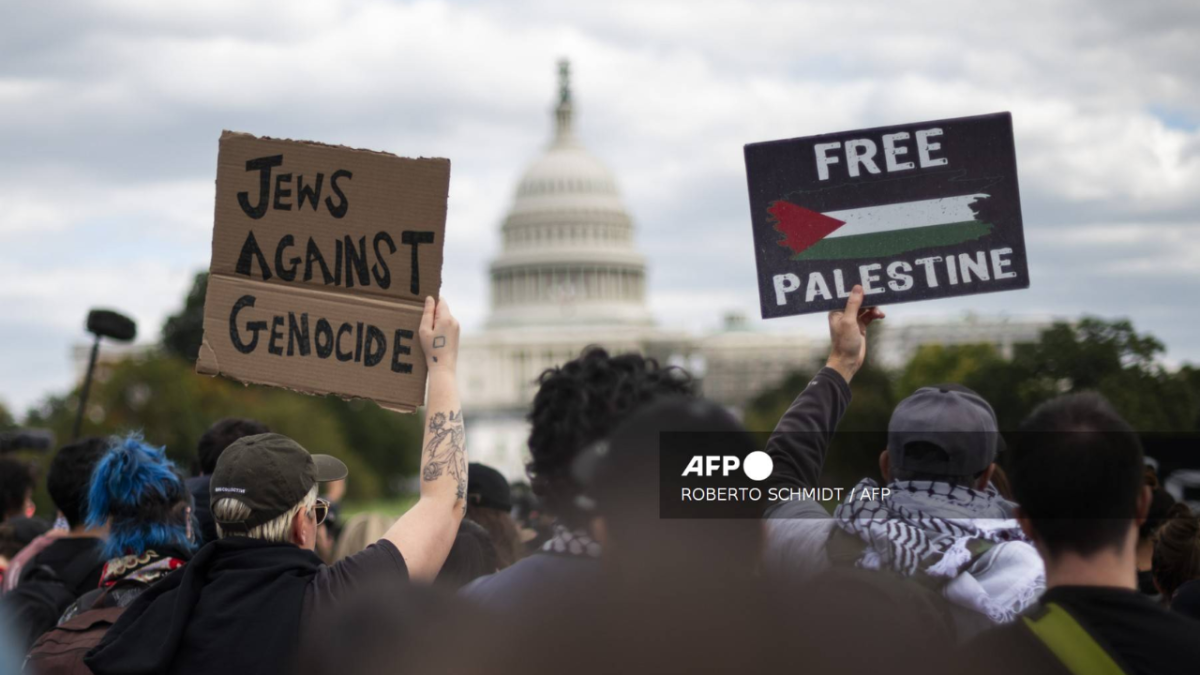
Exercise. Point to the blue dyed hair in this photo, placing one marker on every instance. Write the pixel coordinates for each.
(137, 492)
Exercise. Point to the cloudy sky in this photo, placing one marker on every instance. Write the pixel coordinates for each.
(110, 114)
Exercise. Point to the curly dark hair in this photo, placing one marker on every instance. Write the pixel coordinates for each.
(581, 402)
(16, 480)
(220, 436)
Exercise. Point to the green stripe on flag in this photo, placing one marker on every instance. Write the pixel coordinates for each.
(885, 244)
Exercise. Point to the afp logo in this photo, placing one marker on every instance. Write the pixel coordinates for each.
(757, 465)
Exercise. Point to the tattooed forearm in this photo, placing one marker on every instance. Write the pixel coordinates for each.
(445, 453)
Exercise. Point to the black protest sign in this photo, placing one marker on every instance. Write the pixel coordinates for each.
(910, 212)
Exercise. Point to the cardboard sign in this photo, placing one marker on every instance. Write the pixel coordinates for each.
(910, 212)
(322, 257)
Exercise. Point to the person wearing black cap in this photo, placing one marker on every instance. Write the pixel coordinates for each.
(937, 519)
(489, 503)
(243, 602)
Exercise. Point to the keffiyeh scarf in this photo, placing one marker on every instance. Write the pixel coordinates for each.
(936, 531)
(572, 542)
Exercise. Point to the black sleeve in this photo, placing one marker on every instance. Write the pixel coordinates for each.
(798, 444)
(379, 562)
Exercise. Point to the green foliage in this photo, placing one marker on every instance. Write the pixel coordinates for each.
(1109, 357)
(158, 394)
(389, 443)
(6, 419)
(862, 432)
(184, 330)
(163, 398)
(932, 364)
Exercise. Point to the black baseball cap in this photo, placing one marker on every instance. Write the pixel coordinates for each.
(954, 421)
(271, 474)
(487, 487)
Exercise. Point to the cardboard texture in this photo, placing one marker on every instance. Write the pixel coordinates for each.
(322, 257)
(911, 212)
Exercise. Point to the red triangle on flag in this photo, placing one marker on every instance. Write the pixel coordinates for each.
(800, 227)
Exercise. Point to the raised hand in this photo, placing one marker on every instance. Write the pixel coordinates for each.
(848, 334)
(439, 336)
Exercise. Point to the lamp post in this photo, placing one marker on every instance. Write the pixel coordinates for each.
(101, 323)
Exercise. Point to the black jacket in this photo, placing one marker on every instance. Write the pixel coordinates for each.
(235, 608)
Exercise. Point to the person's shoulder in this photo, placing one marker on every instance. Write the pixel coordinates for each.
(381, 556)
(533, 574)
(798, 534)
(1010, 648)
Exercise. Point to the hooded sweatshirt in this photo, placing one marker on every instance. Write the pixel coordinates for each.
(235, 608)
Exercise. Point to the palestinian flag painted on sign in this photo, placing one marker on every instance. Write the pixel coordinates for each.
(879, 231)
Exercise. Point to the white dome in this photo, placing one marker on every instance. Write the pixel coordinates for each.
(566, 177)
(568, 255)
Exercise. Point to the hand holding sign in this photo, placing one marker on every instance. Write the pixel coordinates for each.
(848, 334)
(439, 336)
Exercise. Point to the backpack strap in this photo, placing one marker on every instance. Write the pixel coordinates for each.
(1078, 651)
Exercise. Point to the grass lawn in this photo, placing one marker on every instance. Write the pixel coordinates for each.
(392, 507)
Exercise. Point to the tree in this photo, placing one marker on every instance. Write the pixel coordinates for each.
(183, 331)
(933, 364)
(862, 433)
(161, 397)
(1109, 357)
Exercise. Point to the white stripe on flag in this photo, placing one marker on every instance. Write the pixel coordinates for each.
(904, 215)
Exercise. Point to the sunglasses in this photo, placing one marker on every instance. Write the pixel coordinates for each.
(321, 509)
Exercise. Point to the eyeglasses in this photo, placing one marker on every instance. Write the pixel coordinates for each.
(321, 509)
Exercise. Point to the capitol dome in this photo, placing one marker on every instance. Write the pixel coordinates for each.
(567, 252)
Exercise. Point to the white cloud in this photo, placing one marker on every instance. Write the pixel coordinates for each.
(109, 116)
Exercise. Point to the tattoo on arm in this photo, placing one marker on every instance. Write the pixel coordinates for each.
(445, 453)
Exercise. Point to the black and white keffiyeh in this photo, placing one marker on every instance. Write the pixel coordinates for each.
(572, 543)
(938, 530)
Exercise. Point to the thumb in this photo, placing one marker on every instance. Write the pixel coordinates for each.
(855, 301)
(427, 315)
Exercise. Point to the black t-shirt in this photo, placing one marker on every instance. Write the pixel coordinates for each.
(1142, 637)
(331, 584)
(62, 552)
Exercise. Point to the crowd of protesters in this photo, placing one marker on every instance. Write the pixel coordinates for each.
(1072, 560)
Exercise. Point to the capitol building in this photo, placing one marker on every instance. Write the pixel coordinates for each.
(569, 275)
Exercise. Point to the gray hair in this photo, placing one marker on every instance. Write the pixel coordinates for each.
(277, 529)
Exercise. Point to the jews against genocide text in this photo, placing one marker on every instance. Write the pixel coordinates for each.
(322, 257)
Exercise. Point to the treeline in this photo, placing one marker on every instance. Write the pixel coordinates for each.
(158, 393)
(1110, 357)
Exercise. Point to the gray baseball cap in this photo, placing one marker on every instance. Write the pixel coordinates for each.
(945, 429)
(270, 473)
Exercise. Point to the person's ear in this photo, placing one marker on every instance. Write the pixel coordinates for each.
(986, 478)
(1143, 505)
(299, 532)
(1026, 524)
(600, 532)
(885, 466)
